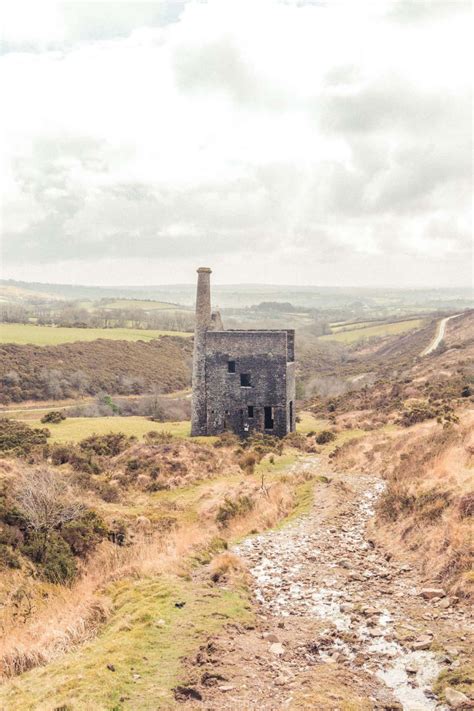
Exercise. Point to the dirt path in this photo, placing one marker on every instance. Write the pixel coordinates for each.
(339, 622)
(439, 336)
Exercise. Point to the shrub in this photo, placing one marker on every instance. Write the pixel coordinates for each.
(227, 439)
(263, 444)
(71, 454)
(430, 505)
(53, 417)
(296, 440)
(247, 462)
(325, 437)
(19, 439)
(395, 502)
(53, 557)
(9, 558)
(232, 509)
(108, 445)
(154, 437)
(85, 533)
(107, 492)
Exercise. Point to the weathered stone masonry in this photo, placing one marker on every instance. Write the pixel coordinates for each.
(243, 381)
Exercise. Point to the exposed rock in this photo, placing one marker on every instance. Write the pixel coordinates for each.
(423, 642)
(445, 603)
(430, 593)
(183, 693)
(277, 649)
(456, 699)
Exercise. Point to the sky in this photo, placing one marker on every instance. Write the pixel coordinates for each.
(277, 141)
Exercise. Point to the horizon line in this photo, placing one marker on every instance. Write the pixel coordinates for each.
(235, 284)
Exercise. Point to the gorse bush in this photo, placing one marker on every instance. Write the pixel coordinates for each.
(85, 533)
(17, 438)
(154, 437)
(79, 460)
(53, 417)
(325, 437)
(397, 502)
(108, 445)
(53, 557)
(42, 519)
(231, 509)
(421, 410)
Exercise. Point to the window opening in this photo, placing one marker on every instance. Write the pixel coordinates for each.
(250, 410)
(245, 380)
(291, 415)
(231, 366)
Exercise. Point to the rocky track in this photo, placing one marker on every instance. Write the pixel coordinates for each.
(327, 596)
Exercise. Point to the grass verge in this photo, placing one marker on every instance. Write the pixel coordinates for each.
(137, 659)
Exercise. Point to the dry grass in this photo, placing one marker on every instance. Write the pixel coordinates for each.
(426, 508)
(226, 565)
(332, 687)
(72, 615)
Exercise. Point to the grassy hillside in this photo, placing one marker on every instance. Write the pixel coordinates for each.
(428, 504)
(179, 502)
(74, 369)
(28, 333)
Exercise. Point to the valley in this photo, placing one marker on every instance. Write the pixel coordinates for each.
(328, 570)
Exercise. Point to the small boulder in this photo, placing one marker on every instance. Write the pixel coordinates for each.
(277, 649)
(456, 699)
(444, 603)
(430, 593)
(423, 642)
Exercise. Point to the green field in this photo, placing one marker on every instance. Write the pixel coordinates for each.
(140, 304)
(51, 336)
(382, 329)
(74, 429)
(352, 325)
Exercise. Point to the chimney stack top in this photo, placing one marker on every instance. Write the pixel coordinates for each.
(204, 270)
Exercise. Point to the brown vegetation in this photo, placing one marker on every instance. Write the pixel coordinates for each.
(86, 368)
(426, 507)
(153, 538)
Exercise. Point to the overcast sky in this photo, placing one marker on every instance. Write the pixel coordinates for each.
(293, 142)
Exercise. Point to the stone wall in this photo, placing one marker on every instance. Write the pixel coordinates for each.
(263, 356)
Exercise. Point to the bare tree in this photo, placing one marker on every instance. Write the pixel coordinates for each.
(46, 501)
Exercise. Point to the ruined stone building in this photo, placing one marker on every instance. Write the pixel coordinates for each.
(243, 380)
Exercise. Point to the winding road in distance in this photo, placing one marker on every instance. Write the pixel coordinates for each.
(439, 335)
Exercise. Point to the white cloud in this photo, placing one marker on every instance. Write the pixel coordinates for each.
(326, 142)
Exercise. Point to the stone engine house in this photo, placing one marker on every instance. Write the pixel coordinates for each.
(243, 380)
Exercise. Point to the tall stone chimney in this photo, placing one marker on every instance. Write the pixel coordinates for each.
(203, 323)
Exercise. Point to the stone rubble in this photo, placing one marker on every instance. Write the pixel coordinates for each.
(332, 572)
